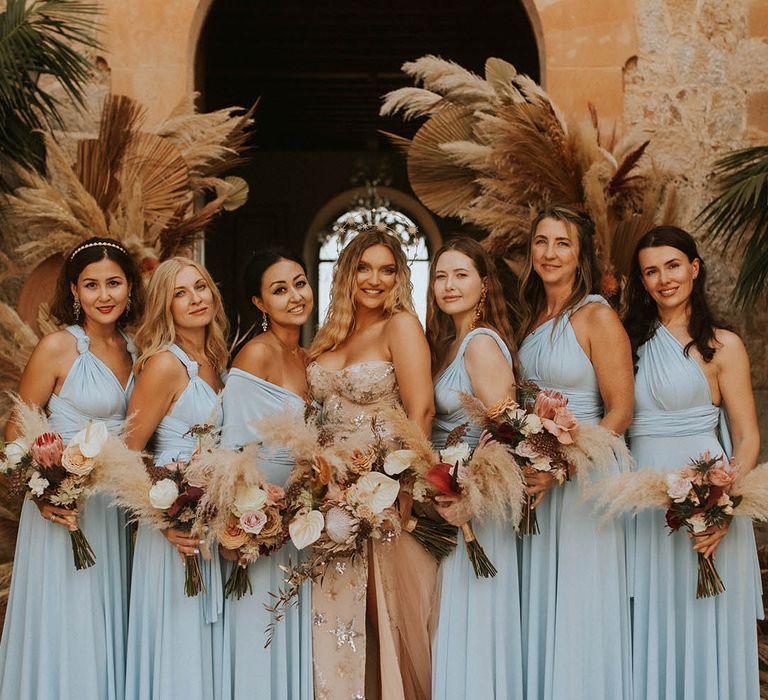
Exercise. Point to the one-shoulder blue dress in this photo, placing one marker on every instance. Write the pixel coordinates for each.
(282, 671)
(574, 597)
(477, 646)
(684, 648)
(64, 632)
(174, 641)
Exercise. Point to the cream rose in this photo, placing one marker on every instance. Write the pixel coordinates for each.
(37, 484)
(163, 494)
(698, 523)
(398, 461)
(248, 498)
(455, 453)
(677, 488)
(73, 460)
(14, 453)
(531, 425)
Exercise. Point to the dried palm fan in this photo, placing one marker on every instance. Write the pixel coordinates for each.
(514, 153)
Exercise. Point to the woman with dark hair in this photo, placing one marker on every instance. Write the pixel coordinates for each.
(267, 377)
(574, 599)
(691, 372)
(64, 633)
(473, 351)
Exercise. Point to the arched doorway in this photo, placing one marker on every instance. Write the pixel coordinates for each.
(320, 71)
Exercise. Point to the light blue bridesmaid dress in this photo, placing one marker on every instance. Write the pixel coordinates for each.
(64, 633)
(174, 641)
(684, 648)
(477, 648)
(283, 671)
(574, 598)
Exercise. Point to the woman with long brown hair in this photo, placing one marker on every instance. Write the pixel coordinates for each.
(473, 351)
(574, 597)
(174, 641)
(64, 633)
(370, 355)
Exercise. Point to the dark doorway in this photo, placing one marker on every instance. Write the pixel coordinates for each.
(320, 70)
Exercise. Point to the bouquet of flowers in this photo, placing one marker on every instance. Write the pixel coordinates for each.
(167, 496)
(487, 476)
(39, 464)
(336, 500)
(706, 492)
(243, 511)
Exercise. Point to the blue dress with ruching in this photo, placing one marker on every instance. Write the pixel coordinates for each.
(282, 671)
(574, 597)
(174, 641)
(684, 648)
(477, 646)
(64, 632)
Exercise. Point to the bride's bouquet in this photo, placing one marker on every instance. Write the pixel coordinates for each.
(705, 493)
(167, 496)
(39, 463)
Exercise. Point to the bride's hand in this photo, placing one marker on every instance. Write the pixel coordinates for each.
(455, 511)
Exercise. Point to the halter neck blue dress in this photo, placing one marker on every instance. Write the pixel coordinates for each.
(684, 648)
(174, 642)
(283, 671)
(64, 632)
(477, 647)
(574, 598)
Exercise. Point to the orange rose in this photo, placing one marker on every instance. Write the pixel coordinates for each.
(233, 536)
(274, 525)
(322, 468)
(500, 408)
(362, 461)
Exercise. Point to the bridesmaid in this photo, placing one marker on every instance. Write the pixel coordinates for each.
(574, 600)
(269, 376)
(371, 354)
(174, 645)
(64, 633)
(476, 652)
(690, 373)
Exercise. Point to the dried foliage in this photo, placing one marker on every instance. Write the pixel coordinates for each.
(495, 148)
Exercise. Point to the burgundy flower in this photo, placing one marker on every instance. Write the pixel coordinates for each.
(190, 496)
(673, 522)
(441, 477)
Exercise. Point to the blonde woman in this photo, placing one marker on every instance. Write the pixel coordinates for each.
(371, 354)
(174, 642)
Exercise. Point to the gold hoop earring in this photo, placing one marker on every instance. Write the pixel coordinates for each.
(480, 309)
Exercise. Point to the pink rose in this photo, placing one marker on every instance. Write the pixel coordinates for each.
(525, 449)
(547, 402)
(46, 449)
(253, 521)
(721, 477)
(561, 424)
(73, 461)
(275, 494)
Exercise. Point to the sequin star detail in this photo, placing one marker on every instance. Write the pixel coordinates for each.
(345, 634)
(341, 567)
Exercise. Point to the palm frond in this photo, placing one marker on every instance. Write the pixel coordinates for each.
(739, 212)
(40, 38)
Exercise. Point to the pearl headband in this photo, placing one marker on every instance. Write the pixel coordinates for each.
(94, 245)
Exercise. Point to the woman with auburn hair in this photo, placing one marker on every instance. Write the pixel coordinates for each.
(692, 393)
(269, 376)
(371, 355)
(574, 597)
(174, 641)
(64, 633)
(473, 351)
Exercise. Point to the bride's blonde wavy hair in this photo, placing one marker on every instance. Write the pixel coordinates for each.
(340, 318)
(157, 330)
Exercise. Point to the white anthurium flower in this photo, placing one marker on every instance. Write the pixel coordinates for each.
(163, 494)
(14, 452)
(91, 439)
(455, 453)
(306, 528)
(398, 461)
(249, 498)
(377, 491)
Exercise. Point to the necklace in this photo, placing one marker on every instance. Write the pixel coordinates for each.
(294, 352)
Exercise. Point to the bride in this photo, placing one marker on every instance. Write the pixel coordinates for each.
(371, 628)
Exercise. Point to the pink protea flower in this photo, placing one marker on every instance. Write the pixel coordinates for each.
(46, 449)
(547, 402)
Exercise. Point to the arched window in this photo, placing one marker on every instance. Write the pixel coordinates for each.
(371, 211)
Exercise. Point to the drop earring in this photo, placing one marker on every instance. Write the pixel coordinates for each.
(480, 309)
(76, 308)
(264, 322)
(127, 305)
